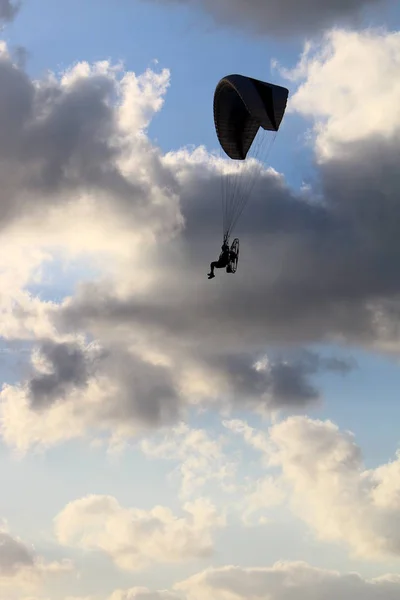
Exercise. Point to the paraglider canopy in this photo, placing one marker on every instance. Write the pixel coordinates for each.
(241, 106)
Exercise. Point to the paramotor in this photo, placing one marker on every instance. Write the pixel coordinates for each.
(244, 110)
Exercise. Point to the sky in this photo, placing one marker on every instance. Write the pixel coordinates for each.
(163, 436)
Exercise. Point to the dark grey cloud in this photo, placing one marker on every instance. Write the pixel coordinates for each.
(70, 368)
(282, 17)
(143, 392)
(280, 383)
(8, 10)
(148, 393)
(14, 555)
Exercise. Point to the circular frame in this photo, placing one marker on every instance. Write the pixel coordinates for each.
(232, 267)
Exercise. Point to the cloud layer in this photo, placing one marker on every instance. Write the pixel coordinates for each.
(287, 581)
(144, 340)
(162, 337)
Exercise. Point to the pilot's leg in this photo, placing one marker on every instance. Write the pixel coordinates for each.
(212, 267)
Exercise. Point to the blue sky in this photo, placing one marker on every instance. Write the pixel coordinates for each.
(109, 325)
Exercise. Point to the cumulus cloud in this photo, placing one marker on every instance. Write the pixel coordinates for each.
(71, 171)
(67, 138)
(69, 367)
(114, 390)
(135, 539)
(287, 581)
(14, 555)
(201, 458)
(146, 392)
(259, 497)
(348, 102)
(330, 489)
(21, 568)
(283, 18)
(70, 163)
(209, 463)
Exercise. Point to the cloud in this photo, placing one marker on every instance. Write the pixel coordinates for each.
(282, 581)
(14, 555)
(289, 17)
(70, 367)
(258, 440)
(21, 568)
(347, 102)
(172, 338)
(66, 138)
(201, 458)
(146, 392)
(140, 593)
(277, 383)
(135, 539)
(260, 496)
(207, 463)
(8, 10)
(123, 393)
(330, 489)
(59, 208)
(287, 581)
(113, 390)
(304, 278)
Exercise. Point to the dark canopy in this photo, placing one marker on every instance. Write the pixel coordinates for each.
(241, 106)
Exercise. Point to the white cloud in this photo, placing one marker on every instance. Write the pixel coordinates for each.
(329, 486)
(143, 96)
(256, 439)
(134, 538)
(214, 464)
(259, 497)
(349, 87)
(201, 459)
